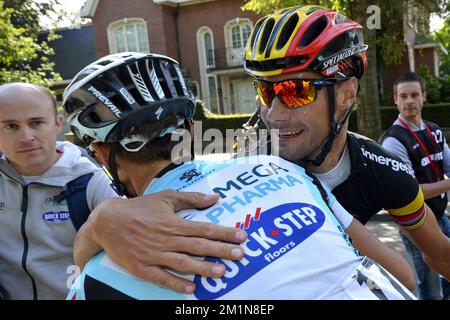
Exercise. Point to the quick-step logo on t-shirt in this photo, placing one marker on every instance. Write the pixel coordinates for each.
(272, 234)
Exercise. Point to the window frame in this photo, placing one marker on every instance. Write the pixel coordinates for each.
(123, 24)
(228, 29)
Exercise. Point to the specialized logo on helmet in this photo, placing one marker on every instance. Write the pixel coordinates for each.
(341, 56)
(105, 101)
(273, 234)
(189, 175)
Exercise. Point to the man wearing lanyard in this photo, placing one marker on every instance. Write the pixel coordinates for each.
(422, 146)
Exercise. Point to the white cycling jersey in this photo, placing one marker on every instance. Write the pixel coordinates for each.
(296, 248)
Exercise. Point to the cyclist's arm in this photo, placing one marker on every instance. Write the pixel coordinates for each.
(433, 243)
(403, 193)
(84, 248)
(431, 190)
(369, 245)
(143, 235)
(419, 223)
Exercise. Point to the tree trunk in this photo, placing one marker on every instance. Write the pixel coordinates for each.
(368, 112)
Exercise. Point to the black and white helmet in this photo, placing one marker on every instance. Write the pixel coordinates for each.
(123, 90)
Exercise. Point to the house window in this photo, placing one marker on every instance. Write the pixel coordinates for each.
(128, 35)
(237, 33)
(195, 89)
(209, 49)
(240, 34)
(206, 56)
(213, 96)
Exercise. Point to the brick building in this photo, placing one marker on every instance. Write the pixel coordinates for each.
(208, 38)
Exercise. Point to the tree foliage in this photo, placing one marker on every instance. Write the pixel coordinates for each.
(443, 36)
(22, 57)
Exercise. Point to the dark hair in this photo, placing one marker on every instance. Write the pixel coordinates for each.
(410, 76)
(159, 148)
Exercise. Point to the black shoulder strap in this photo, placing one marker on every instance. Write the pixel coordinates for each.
(319, 186)
(75, 195)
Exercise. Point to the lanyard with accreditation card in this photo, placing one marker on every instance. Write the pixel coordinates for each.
(432, 163)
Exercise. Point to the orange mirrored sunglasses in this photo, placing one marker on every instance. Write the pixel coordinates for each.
(293, 93)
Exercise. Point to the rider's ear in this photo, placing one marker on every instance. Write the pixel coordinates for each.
(102, 151)
(346, 94)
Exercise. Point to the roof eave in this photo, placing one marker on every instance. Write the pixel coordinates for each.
(431, 45)
(88, 9)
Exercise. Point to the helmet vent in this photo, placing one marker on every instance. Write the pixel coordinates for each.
(104, 62)
(314, 31)
(255, 32)
(266, 34)
(336, 45)
(287, 31)
(312, 10)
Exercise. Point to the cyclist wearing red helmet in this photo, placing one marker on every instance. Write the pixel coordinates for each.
(306, 61)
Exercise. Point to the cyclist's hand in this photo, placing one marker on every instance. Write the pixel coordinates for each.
(144, 236)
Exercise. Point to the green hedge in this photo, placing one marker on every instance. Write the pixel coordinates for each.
(219, 121)
(438, 113)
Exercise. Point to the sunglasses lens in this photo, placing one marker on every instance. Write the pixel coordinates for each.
(265, 92)
(293, 93)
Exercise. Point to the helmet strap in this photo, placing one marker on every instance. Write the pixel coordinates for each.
(112, 165)
(336, 126)
(118, 186)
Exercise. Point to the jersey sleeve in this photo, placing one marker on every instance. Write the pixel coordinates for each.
(404, 196)
(341, 214)
(344, 217)
(407, 205)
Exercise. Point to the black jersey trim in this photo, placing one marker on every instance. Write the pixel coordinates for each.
(97, 290)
